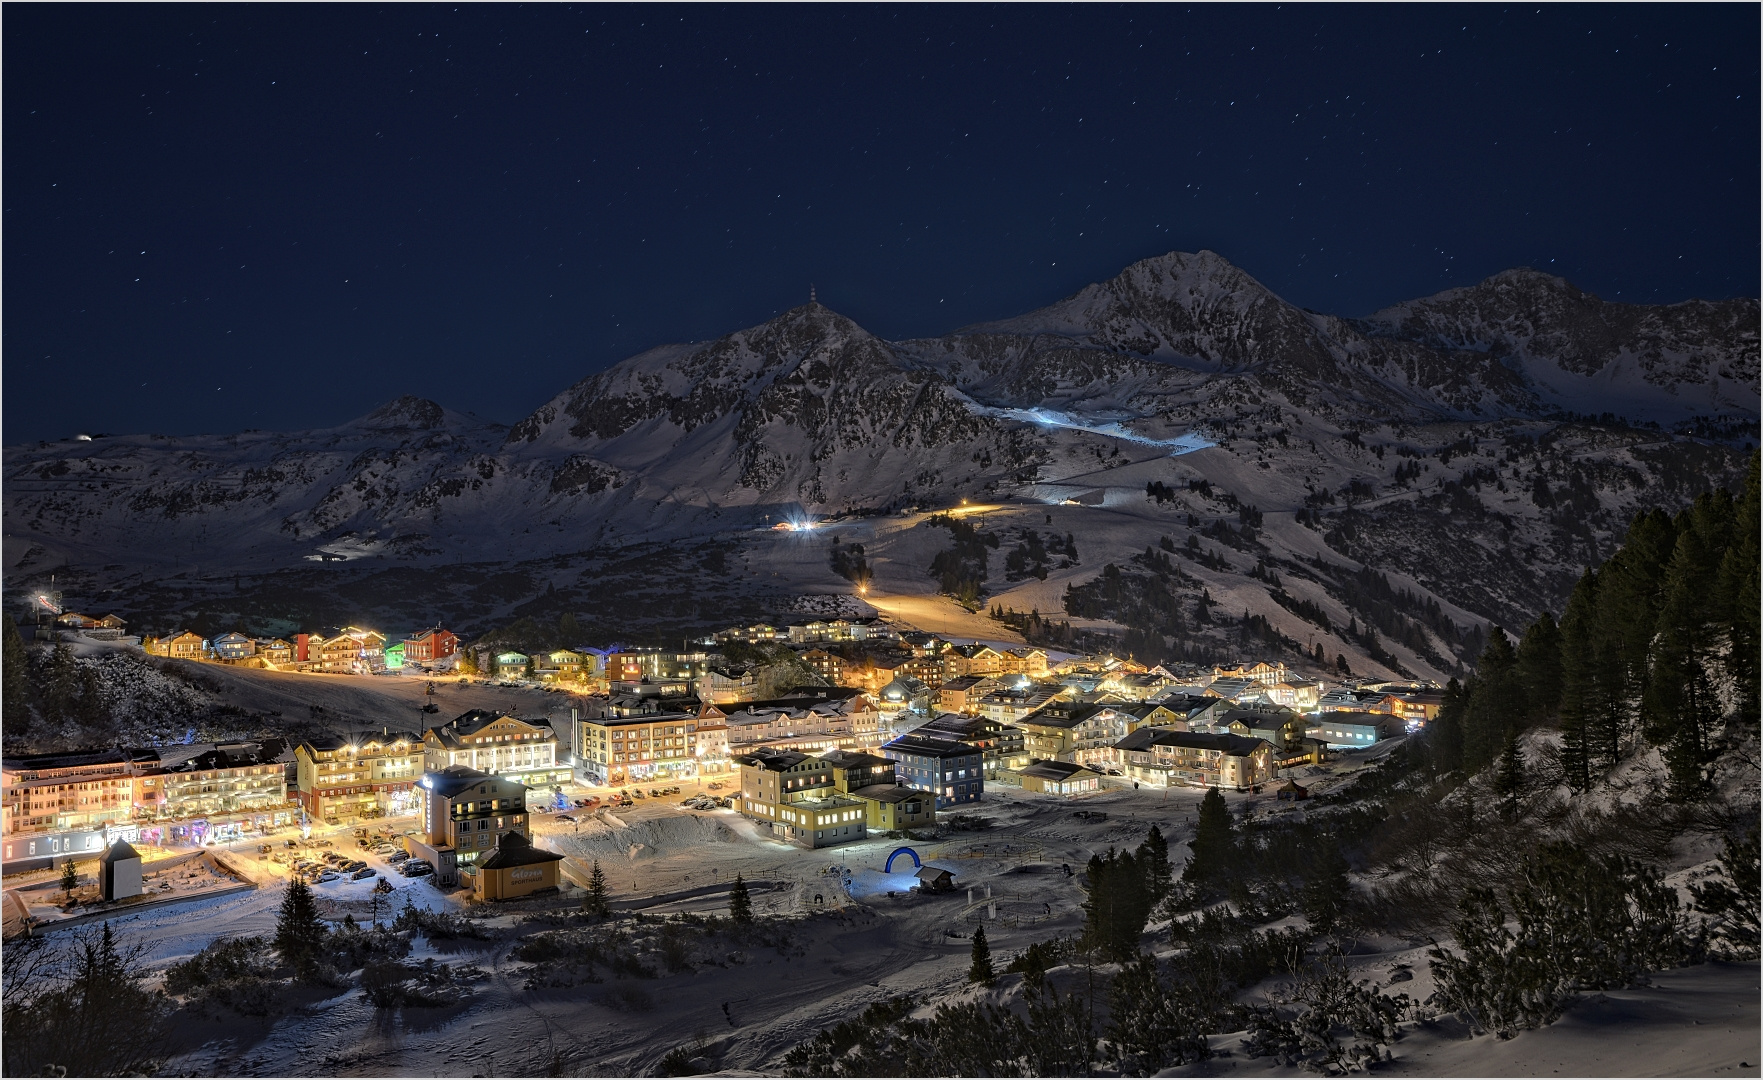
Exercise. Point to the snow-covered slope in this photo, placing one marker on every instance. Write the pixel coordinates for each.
(1586, 355)
(1430, 440)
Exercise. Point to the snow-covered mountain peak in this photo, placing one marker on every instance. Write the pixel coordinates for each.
(1663, 362)
(405, 412)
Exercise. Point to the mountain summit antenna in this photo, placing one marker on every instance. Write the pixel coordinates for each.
(811, 298)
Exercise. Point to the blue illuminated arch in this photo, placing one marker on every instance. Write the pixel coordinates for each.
(889, 868)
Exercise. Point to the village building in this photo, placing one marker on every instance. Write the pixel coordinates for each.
(220, 794)
(1059, 778)
(119, 872)
(1261, 671)
(949, 769)
(465, 813)
(794, 795)
(1002, 746)
(515, 869)
(75, 621)
(889, 805)
(1299, 695)
(846, 717)
(1415, 708)
(523, 751)
(274, 651)
(829, 666)
(1347, 699)
(1069, 731)
(1233, 688)
(1350, 731)
(362, 776)
(754, 634)
(233, 646)
(558, 665)
(638, 738)
(1135, 687)
(839, 630)
(904, 694)
(1009, 704)
(430, 646)
(962, 694)
(1162, 757)
(78, 791)
(1171, 708)
(512, 665)
(921, 644)
(974, 659)
(1031, 662)
(727, 684)
(180, 645)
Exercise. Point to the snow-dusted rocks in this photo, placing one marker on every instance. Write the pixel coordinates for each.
(1440, 421)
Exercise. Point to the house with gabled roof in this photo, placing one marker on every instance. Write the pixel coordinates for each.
(522, 751)
(1163, 757)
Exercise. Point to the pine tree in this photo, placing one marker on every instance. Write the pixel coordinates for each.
(1212, 841)
(1496, 701)
(70, 878)
(299, 933)
(1444, 736)
(1154, 858)
(1539, 667)
(1737, 584)
(1509, 780)
(1118, 904)
(980, 971)
(1581, 682)
(61, 684)
(90, 708)
(740, 905)
(1631, 587)
(15, 680)
(1324, 894)
(595, 902)
(1679, 706)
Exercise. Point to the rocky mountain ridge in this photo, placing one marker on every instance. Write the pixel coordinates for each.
(1369, 421)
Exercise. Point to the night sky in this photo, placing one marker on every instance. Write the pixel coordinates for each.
(220, 217)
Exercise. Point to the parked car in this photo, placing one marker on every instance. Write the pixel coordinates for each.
(328, 875)
(416, 868)
(397, 857)
(364, 872)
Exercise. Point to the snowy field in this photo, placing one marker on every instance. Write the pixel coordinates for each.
(853, 946)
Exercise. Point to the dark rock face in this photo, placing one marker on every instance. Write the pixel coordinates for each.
(810, 413)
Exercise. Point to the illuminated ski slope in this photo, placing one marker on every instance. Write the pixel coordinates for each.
(1181, 444)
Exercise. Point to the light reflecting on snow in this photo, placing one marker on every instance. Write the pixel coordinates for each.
(1115, 429)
